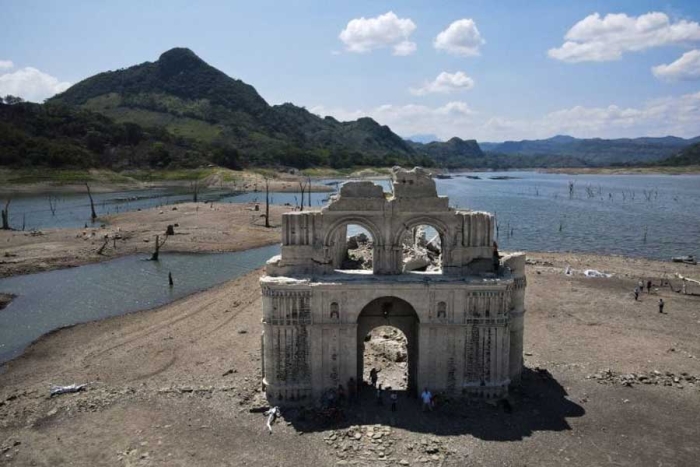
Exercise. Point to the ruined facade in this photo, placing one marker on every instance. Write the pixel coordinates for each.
(464, 324)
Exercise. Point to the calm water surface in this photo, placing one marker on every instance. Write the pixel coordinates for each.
(51, 300)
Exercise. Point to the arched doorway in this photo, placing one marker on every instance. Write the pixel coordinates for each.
(387, 313)
(352, 244)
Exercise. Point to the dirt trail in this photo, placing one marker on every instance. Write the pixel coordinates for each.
(173, 386)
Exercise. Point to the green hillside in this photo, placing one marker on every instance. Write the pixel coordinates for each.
(688, 156)
(55, 135)
(188, 98)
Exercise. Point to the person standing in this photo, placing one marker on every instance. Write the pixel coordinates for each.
(636, 293)
(661, 305)
(373, 376)
(427, 398)
(394, 398)
(649, 286)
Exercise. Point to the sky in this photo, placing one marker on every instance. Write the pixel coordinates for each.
(485, 70)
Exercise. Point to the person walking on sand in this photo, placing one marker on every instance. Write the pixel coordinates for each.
(636, 293)
(649, 286)
(427, 398)
(661, 305)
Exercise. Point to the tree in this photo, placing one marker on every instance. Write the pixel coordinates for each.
(93, 215)
(6, 215)
(12, 100)
(159, 245)
(267, 202)
(227, 157)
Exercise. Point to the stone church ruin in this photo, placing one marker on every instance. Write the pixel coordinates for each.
(463, 320)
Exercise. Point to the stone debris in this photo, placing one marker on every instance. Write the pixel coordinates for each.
(378, 443)
(608, 376)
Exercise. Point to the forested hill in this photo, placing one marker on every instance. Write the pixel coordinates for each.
(55, 135)
(187, 97)
(595, 151)
(690, 155)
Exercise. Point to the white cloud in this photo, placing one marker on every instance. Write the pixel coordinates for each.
(678, 116)
(460, 38)
(6, 65)
(686, 68)
(445, 83)
(31, 84)
(599, 39)
(362, 35)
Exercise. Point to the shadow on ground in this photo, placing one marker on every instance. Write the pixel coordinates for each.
(539, 404)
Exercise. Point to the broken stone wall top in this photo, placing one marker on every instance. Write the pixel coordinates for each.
(414, 183)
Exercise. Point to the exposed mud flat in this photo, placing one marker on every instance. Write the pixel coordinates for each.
(198, 227)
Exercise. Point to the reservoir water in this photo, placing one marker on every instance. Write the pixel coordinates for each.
(54, 299)
(652, 216)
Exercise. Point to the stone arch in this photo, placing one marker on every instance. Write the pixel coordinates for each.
(397, 313)
(332, 232)
(440, 227)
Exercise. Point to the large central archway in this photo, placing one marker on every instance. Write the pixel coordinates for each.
(396, 313)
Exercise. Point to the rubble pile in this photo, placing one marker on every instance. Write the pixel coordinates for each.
(368, 443)
(429, 449)
(607, 376)
(419, 253)
(359, 248)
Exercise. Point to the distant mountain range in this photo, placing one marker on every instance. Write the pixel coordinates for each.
(595, 151)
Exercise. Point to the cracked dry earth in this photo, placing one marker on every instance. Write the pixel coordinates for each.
(608, 381)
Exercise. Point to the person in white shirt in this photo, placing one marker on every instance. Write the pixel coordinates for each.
(427, 398)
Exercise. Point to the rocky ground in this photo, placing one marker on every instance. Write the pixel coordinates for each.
(198, 227)
(608, 381)
(385, 350)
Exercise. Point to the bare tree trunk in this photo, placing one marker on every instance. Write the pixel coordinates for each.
(195, 190)
(308, 185)
(93, 216)
(267, 202)
(52, 204)
(159, 245)
(6, 215)
(302, 189)
(104, 245)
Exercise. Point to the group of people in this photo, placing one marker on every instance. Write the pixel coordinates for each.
(639, 289)
(427, 398)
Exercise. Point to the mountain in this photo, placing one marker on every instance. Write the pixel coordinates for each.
(595, 151)
(189, 98)
(690, 155)
(454, 153)
(423, 138)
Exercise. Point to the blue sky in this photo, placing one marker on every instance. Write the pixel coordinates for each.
(511, 79)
